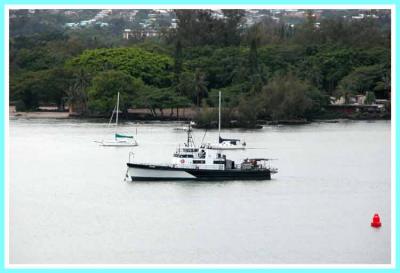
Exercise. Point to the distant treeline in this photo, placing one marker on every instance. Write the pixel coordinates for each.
(270, 70)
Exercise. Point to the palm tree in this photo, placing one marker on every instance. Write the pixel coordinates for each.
(77, 97)
(200, 86)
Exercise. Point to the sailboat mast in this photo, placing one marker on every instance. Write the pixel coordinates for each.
(219, 115)
(188, 135)
(116, 117)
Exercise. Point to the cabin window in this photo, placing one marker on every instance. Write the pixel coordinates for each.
(186, 156)
(190, 150)
(199, 161)
(219, 162)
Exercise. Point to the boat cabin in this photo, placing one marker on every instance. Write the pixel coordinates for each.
(200, 158)
(208, 158)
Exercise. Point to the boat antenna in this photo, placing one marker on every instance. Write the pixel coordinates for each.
(190, 141)
(219, 115)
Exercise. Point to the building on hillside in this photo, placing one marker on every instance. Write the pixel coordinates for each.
(71, 25)
(126, 34)
(139, 33)
(356, 100)
(360, 99)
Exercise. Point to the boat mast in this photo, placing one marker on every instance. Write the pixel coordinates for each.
(219, 115)
(190, 141)
(188, 136)
(116, 117)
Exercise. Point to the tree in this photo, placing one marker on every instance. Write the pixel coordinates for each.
(248, 111)
(369, 97)
(288, 97)
(383, 87)
(102, 94)
(152, 68)
(178, 61)
(200, 27)
(193, 85)
(42, 87)
(257, 72)
(160, 98)
(232, 27)
(360, 80)
(56, 86)
(200, 86)
(77, 94)
(253, 58)
(117, 25)
(27, 91)
(308, 32)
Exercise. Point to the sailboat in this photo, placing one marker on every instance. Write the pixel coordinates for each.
(226, 143)
(120, 140)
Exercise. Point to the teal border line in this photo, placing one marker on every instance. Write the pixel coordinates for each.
(193, 2)
(397, 114)
(2, 131)
(205, 2)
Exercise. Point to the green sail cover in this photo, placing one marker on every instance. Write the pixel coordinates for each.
(122, 136)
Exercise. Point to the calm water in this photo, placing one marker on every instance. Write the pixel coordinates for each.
(69, 203)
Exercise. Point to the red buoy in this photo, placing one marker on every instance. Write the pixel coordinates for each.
(376, 221)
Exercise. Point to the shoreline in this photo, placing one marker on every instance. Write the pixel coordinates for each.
(40, 114)
(65, 116)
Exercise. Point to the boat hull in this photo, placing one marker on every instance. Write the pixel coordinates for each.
(143, 172)
(112, 143)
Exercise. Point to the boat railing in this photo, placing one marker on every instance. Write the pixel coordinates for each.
(261, 164)
(187, 150)
(273, 170)
(265, 164)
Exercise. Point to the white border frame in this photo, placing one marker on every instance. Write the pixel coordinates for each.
(392, 264)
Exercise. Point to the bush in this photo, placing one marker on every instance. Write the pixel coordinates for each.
(288, 97)
(248, 111)
(20, 105)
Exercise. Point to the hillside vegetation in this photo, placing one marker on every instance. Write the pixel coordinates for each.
(270, 70)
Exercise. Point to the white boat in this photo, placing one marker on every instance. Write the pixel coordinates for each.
(225, 143)
(119, 140)
(193, 163)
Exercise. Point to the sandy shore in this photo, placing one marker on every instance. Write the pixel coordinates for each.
(144, 112)
(39, 114)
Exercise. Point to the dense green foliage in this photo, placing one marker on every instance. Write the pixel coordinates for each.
(152, 68)
(288, 97)
(363, 80)
(270, 70)
(103, 92)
